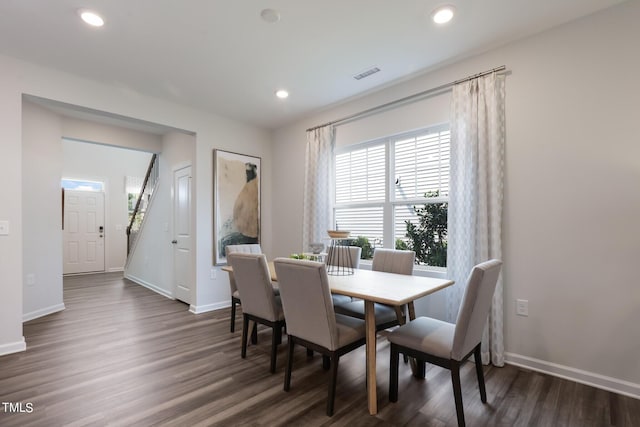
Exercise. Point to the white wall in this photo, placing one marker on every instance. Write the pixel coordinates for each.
(82, 160)
(109, 134)
(42, 211)
(11, 339)
(46, 158)
(18, 78)
(571, 239)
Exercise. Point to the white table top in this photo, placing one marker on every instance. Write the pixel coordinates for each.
(378, 286)
(386, 288)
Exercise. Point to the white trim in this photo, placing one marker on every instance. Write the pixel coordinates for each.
(13, 347)
(181, 165)
(150, 286)
(42, 312)
(584, 377)
(115, 270)
(197, 309)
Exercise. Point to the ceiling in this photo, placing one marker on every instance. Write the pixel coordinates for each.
(220, 56)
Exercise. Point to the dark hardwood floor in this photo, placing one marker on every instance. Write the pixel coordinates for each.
(122, 355)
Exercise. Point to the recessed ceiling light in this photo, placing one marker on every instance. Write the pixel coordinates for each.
(270, 15)
(91, 18)
(282, 94)
(443, 14)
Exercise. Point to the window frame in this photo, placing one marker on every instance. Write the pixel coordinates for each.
(390, 202)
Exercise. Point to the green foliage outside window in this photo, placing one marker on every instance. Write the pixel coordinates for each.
(402, 245)
(428, 238)
(367, 249)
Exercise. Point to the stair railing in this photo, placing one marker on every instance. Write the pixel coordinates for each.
(148, 186)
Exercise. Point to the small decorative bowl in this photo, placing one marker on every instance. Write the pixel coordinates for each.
(316, 248)
(338, 234)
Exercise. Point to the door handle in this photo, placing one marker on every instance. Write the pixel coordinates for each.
(174, 242)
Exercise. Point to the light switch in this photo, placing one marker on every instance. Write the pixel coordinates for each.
(4, 228)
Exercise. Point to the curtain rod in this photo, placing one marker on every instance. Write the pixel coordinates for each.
(407, 98)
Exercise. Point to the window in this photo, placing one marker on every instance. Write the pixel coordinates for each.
(379, 184)
(81, 185)
(133, 186)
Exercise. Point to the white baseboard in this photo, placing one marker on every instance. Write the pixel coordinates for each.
(115, 269)
(42, 312)
(13, 347)
(197, 309)
(150, 286)
(589, 378)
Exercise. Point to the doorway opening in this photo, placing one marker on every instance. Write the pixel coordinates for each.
(82, 226)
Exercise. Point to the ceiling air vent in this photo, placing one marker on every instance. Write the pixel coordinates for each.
(366, 73)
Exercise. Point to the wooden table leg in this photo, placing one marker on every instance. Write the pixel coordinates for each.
(412, 311)
(370, 324)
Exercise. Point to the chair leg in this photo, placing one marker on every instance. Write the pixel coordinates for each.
(326, 362)
(457, 391)
(287, 372)
(275, 336)
(393, 374)
(480, 373)
(332, 385)
(245, 332)
(254, 334)
(418, 367)
(309, 352)
(278, 331)
(233, 315)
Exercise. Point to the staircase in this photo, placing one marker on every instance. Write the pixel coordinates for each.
(137, 217)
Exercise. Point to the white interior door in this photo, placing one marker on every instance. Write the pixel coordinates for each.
(182, 234)
(83, 235)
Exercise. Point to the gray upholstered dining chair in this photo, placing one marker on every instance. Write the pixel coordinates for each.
(446, 344)
(253, 248)
(390, 261)
(349, 256)
(311, 320)
(259, 301)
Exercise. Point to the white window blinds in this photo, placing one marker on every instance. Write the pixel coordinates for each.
(378, 184)
(422, 165)
(360, 175)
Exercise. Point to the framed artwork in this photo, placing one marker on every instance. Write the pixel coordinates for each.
(236, 201)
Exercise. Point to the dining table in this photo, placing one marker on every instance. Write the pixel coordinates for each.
(380, 287)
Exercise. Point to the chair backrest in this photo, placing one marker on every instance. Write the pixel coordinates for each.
(306, 300)
(254, 284)
(393, 261)
(476, 303)
(252, 248)
(341, 259)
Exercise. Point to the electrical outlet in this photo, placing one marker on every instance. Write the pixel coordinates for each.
(31, 279)
(522, 307)
(4, 228)
(213, 274)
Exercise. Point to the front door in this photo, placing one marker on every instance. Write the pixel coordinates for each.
(83, 235)
(182, 234)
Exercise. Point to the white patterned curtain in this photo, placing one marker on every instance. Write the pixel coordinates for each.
(475, 199)
(318, 185)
